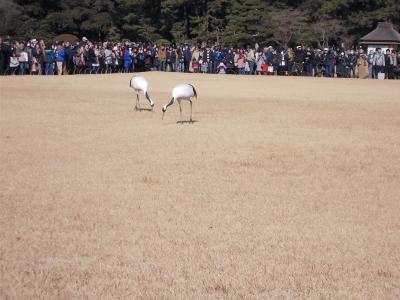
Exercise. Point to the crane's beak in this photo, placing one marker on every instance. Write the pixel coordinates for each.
(163, 113)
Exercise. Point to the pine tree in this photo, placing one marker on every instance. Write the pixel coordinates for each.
(238, 22)
(246, 23)
(209, 20)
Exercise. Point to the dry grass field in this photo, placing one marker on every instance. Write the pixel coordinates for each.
(284, 188)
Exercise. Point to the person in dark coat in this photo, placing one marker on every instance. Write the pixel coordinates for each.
(171, 59)
(5, 54)
(394, 65)
(329, 60)
(388, 66)
(308, 62)
(230, 62)
(318, 63)
(341, 65)
(352, 57)
(187, 58)
(141, 60)
(69, 58)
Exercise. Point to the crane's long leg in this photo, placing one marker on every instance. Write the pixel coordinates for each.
(180, 109)
(137, 102)
(191, 111)
(150, 101)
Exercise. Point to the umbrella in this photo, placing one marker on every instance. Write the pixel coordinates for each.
(66, 38)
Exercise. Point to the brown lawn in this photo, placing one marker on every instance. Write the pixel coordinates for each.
(283, 188)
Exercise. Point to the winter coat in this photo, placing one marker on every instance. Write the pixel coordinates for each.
(362, 64)
(49, 54)
(379, 60)
(162, 54)
(60, 55)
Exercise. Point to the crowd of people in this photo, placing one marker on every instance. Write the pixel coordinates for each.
(87, 57)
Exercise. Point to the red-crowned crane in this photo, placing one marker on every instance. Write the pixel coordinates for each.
(179, 93)
(140, 84)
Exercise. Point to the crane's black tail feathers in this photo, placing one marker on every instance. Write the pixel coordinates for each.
(194, 90)
(130, 81)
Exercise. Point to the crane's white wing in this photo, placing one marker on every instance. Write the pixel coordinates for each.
(182, 91)
(139, 83)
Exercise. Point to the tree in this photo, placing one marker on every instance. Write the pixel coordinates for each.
(238, 22)
(209, 20)
(9, 12)
(246, 23)
(286, 24)
(326, 30)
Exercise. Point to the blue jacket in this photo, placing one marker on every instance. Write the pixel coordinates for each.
(217, 56)
(127, 57)
(60, 55)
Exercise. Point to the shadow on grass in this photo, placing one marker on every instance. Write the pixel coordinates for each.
(143, 109)
(187, 122)
(181, 123)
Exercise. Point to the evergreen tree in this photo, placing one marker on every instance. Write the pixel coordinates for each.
(246, 23)
(238, 22)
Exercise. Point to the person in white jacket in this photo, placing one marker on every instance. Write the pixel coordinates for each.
(14, 63)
